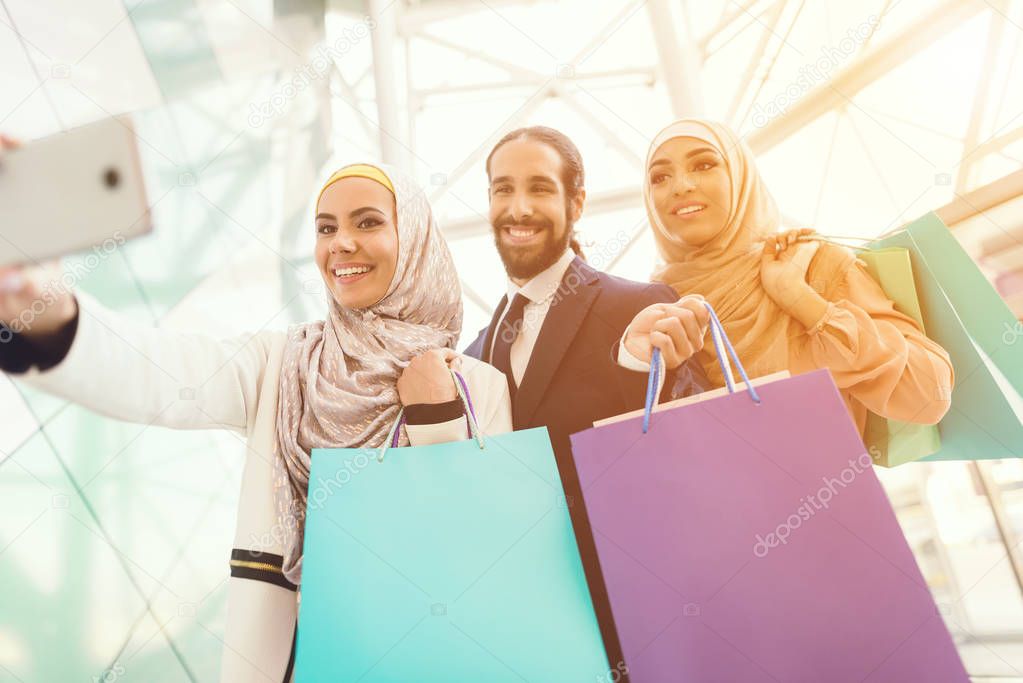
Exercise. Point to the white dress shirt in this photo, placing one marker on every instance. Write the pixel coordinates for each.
(540, 291)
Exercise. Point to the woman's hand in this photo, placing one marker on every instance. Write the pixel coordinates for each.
(677, 329)
(784, 264)
(427, 379)
(33, 300)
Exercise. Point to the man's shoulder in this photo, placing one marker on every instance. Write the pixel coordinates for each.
(619, 290)
(475, 349)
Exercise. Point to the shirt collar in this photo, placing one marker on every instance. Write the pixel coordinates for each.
(546, 283)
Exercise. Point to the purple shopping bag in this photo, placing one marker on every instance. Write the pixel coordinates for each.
(746, 538)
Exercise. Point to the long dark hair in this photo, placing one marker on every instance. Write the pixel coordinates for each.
(573, 177)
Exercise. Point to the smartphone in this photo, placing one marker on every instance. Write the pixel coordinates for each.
(72, 191)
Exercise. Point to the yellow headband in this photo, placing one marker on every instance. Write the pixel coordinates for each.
(357, 171)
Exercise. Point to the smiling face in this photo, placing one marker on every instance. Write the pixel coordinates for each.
(529, 210)
(356, 241)
(690, 188)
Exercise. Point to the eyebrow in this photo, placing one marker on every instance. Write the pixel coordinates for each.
(353, 214)
(532, 179)
(699, 150)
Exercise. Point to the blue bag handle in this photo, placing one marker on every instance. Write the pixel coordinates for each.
(721, 342)
(470, 417)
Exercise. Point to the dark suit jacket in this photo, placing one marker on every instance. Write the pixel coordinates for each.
(572, 379)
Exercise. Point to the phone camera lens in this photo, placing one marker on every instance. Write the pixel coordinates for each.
(112, 178)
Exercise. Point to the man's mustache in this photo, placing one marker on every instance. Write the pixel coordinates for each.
(508, 221)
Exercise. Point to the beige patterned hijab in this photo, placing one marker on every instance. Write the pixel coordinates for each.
(726, 270)
(338, 380)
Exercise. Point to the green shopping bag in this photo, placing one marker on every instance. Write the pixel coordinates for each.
(893, 442)
(964, 313)
(450, 563)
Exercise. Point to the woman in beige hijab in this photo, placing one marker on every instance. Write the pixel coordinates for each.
(787, 301)
(386, 343)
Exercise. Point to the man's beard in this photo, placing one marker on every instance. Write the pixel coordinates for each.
(525, 264)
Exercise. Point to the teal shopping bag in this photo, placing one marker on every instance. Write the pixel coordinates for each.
(963, 312)
(893, 442)
(444, 563)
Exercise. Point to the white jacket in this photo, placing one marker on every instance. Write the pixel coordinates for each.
(191, 381)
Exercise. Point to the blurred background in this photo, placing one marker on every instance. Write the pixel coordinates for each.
(115, 538)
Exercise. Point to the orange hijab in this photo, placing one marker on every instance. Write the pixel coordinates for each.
(726, 270)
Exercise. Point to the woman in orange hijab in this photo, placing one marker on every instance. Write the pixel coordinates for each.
(787, 301)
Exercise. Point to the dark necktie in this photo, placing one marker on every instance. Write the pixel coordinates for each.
(506, 333)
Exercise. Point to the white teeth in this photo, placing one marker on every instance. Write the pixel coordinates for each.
(690, 209)
(515, 232)
(339, 272)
